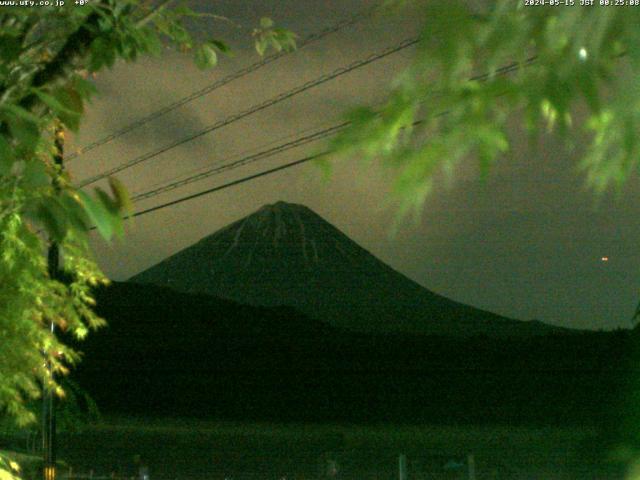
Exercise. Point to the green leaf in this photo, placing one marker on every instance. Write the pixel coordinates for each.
(266, 22)
(84, 87)
(35, 175)
(275, 43)
(9, 470)
(77, 215)
(71, 99)
(129, 44)
(122, 10)
(66, 104)
(98, 213)
(221, 46)
(261, 45)
(21, 113)
(113, 208)
(106, 22)
(54, 218)
(103, 53)
(109, 203)
(151, 42)
(50, 101)
(25, 132)
(123, 201)
(180, 35)
(206, 56)
(286, 38)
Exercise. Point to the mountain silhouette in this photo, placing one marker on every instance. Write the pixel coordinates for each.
(287, 255)
(169, 353)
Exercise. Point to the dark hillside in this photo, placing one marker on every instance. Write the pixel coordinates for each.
(170, 353)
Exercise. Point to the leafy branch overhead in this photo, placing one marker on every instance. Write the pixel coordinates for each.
(267, 35)
(571, 70)
(47, 58)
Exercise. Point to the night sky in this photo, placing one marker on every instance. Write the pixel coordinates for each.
(526, 243)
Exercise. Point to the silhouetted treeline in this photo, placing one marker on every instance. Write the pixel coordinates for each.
(167, 353)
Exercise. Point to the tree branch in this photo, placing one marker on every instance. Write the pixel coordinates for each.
(147, 18)
(76, 45)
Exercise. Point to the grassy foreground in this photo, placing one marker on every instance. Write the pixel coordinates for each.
(193, 449)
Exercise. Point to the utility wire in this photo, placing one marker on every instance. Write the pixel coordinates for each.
(315, 136)
(231, 184)
(226, 185)
(326, 132)
(224, 81)
(256, 108)
(232, 157)
(501, 71)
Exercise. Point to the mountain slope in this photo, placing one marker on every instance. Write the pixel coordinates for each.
(168, 353)
(285, 254)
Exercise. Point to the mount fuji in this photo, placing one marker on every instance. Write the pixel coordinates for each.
(287, 255)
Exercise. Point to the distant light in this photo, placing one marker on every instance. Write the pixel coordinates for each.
(605, 259)
(583, 54)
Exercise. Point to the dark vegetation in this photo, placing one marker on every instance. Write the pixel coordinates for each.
(173, 354)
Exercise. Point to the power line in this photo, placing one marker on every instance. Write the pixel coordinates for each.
(226, 185)
(325, 132)
(256, 108)
(501, 71)
(231, 184)
(249, 151)
(243, 179)
(222, 82)
(315, 136)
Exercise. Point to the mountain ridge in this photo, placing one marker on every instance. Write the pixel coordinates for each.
(286, 254)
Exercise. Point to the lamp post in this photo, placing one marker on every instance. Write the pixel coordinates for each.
(48, 427)
(48, 400)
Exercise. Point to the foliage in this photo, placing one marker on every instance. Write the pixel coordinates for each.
(78, 411)
(269, 35)
(46, 59)
(9, 469)
(16, 465)
(475, 67)
(74, 414)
